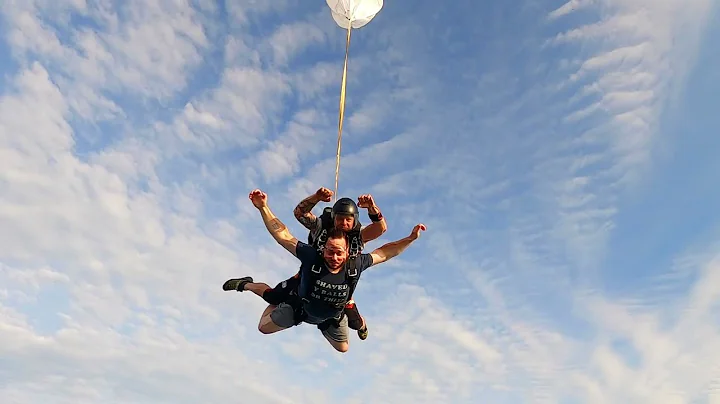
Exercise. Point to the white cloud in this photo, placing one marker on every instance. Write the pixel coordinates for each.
(114, 251)
(121, 264)
(291, 39)
(119, 58)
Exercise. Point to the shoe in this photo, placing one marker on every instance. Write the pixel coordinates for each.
(363, 333)
(237, 284)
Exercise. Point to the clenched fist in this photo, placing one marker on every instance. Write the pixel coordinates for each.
(258, 198)
(366, 201)
(324, 194)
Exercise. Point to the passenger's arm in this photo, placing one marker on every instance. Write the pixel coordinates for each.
(378, 226)
(278, 230)
(303, 211)
(395, 248)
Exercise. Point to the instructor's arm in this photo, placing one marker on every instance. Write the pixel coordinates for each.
(303, 211)
(395, 248)
(378, 226)
(277, 229)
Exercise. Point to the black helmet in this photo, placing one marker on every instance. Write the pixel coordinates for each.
(346, 206)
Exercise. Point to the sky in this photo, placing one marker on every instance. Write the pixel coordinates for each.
(563, 155)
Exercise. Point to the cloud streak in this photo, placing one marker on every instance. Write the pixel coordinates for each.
(129, 141)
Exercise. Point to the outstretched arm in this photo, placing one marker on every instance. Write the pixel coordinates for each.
(378, 226)
(395, 248)
(303, 211)
(278, 230)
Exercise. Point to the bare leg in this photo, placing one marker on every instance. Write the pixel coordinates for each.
(257, 288)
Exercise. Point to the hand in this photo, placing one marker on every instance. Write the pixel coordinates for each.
(366, 201)
(415, 233)
(258, 198)
(324, 194)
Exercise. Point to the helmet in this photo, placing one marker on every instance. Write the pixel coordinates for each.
(346, 206)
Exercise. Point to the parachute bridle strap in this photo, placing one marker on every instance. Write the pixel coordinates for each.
(342, 109)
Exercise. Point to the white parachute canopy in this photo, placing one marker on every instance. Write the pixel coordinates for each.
(354, 13)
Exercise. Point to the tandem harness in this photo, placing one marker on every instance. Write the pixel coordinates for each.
(296, 301)
(297, 297)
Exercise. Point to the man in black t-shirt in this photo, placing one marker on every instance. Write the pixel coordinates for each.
(344, 215)
(325, 279)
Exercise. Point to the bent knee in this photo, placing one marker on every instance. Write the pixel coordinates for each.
(342, 346)
(266, 328)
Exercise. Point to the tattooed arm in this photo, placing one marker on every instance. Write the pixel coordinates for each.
(278, 230)
(303, 211)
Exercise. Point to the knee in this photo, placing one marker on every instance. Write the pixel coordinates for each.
(342, 347)
(266, 325)
(264, 328)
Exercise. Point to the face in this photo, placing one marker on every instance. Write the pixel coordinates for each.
(344, 222)
(335, 252)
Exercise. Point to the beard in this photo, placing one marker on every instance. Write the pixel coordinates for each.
(334, 266)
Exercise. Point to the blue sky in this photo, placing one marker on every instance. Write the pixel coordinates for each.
(562, 155)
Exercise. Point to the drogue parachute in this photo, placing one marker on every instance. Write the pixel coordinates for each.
(349, 14)
(354, 13)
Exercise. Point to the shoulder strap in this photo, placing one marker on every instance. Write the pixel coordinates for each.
(352, 275)
(356, 244)
(307, 279)
(316, 268)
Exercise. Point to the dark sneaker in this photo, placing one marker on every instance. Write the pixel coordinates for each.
(363, 333)
(237, 284)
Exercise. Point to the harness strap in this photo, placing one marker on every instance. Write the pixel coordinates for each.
(351, 275)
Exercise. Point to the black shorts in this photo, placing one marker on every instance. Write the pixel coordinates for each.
(281, 292)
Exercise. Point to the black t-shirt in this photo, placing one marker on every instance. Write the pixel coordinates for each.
(328, 293)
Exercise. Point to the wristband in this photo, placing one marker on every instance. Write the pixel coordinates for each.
(375, 218)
